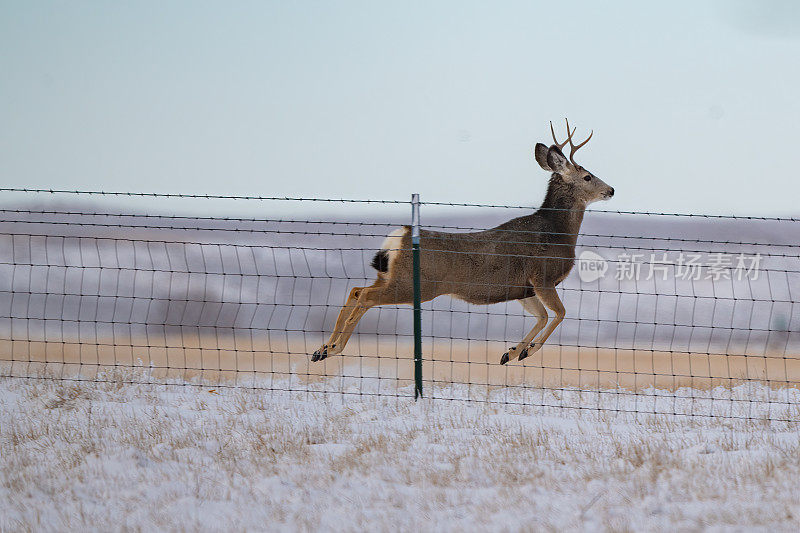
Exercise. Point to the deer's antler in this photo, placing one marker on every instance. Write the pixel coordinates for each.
(572, 147)
(569, 136)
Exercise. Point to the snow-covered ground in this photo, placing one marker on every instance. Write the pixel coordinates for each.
(115, 456)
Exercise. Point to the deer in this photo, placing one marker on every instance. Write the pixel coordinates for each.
(523, 259)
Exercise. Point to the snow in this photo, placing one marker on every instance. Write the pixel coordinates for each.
(115, 455)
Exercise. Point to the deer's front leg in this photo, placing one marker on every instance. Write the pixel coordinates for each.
(548, 297)
(534, 307)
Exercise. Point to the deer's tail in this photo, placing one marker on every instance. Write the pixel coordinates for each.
(391, 246)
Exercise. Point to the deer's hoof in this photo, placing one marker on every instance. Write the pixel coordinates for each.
(320, 354)
(523, 354)
(504, 359)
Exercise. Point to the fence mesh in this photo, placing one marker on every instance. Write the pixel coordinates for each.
(680, 314)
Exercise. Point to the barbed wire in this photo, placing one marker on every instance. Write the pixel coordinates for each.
(377, 201)
(250, 309)
(339, 222)
(199, 196)
(381, 235)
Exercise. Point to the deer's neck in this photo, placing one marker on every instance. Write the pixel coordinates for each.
(563, 209)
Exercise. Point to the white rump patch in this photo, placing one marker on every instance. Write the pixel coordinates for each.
(393, 243)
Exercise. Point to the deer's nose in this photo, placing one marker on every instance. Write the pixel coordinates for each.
(611, 192)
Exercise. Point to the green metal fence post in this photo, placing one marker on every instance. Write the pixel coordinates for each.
(417, 296)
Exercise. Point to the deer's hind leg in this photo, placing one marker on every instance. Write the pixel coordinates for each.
(534, 306)
(348, 307)
(360, 300)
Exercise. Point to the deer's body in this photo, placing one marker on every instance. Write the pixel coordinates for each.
(486, 267)
(523, 259)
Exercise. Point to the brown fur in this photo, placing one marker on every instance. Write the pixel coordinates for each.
(523, 259)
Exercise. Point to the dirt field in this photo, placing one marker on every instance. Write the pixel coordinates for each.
(232, 359)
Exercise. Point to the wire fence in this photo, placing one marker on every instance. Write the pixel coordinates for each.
(665, 313)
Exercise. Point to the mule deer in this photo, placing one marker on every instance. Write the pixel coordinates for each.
(523, 259)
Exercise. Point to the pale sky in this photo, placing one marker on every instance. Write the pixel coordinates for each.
(694, 104)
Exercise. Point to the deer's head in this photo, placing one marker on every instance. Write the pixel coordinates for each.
(588, 188)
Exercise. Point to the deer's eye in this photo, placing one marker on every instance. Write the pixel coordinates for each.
(587, 178)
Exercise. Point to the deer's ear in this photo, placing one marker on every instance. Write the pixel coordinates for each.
(540, 153)
(556, 160)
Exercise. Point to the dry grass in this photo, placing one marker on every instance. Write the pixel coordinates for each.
(231, 358)
(111, 456)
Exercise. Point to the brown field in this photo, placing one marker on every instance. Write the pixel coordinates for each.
(236, 360)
